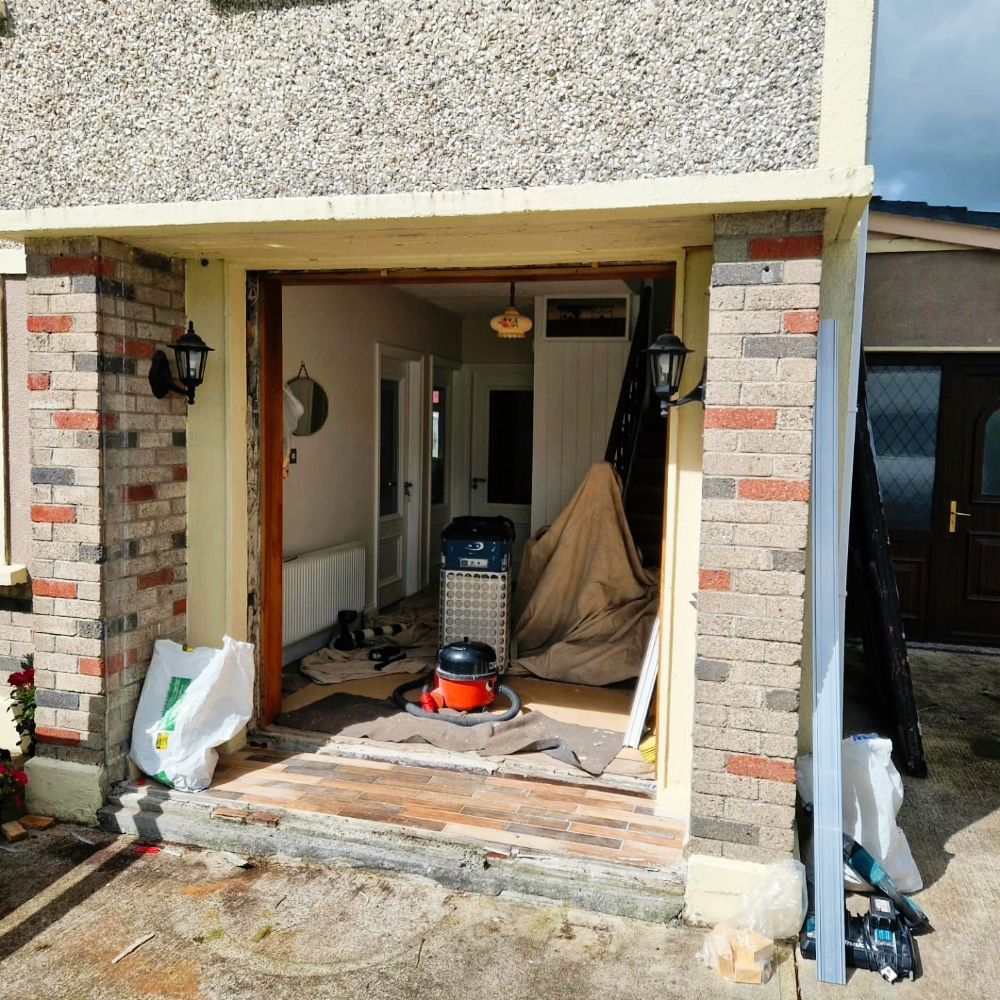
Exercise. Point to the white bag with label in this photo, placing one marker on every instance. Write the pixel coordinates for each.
(192, 701)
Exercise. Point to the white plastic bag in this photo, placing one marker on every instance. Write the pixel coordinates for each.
(775, 905)
(873, 793)
(192, 701)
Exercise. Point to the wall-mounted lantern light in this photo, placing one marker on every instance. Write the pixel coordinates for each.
(667, 355)
(191, 353)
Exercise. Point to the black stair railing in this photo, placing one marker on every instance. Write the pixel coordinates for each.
(632, 397)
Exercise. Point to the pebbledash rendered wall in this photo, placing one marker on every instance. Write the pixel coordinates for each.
(763, 321)
(109, 484)
(141, 101)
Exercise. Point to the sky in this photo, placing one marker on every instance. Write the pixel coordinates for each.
(936, 102)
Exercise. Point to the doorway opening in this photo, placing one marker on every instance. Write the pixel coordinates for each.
(432, 417)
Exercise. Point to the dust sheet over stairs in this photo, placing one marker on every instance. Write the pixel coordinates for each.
(584, 605)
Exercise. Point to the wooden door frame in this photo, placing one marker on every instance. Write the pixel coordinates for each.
(417, 451)
(271, 510)
(269, 557)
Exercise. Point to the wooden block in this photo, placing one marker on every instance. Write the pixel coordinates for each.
(750, 948)
(743, 973)
(13, 831)
(726, 969)
(37, 822)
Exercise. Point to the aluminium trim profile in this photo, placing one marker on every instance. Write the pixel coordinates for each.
(827, 666)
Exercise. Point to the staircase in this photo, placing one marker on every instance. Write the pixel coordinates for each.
(644, 491)
(637, 445)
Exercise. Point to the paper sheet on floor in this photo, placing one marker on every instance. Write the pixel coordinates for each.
(334, 666)
(584, 604)
(585, 747)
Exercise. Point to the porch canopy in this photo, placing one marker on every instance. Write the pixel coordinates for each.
(619, 221)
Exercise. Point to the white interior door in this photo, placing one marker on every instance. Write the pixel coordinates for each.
(502, 419)
(399, 477)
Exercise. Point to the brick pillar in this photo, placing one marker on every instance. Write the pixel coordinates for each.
(754, 528)
(109, 476)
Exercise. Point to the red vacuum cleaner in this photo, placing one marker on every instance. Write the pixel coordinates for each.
(468, 680)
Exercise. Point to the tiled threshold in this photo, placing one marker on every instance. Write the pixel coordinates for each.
(598, 848)
(611, 825)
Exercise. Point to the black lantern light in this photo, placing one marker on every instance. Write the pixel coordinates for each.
(191, 353)
(667, 355)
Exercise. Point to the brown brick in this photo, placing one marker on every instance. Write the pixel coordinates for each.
(761, 767)
(741, 418)
(715, 579)
(53, 514)
(786, 247)
(802, 321)
(54, 588)
(772, 489)
(50, 324)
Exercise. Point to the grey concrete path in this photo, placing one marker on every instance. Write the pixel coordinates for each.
(952, 821)
(67, 909)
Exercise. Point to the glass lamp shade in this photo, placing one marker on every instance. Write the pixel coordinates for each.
(511, 325)
(191, 353)
(667, 355)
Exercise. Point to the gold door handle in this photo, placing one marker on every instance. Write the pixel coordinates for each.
(953, 515)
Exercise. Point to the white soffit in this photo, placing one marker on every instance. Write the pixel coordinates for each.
(646, 220)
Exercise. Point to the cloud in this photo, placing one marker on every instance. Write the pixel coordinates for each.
(936, 102)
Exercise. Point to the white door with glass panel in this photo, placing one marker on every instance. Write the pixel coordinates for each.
(502, 416)
(398, 495)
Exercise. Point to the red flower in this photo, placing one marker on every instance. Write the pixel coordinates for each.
(20, 778)
(22, 678)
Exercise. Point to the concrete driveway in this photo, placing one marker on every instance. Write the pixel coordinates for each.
(278, 930)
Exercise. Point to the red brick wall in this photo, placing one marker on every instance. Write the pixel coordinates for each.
(758, 442)
(109, 503)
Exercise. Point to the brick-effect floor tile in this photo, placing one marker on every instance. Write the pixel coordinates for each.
(502, 813)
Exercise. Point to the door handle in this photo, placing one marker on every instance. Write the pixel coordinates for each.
(475, 481)
(953, 515)
(406, 489)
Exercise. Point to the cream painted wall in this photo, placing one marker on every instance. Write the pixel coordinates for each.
(681, 540)
(216, 455)
(330, 494)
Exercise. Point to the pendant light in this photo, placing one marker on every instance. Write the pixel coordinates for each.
(510, 324)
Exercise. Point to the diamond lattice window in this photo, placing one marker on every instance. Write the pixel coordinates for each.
(904, 402)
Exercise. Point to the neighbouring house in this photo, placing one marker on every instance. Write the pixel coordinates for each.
(931, 338)
(358, 189)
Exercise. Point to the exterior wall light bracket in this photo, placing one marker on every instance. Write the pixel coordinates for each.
(667, 355)
(191, 354)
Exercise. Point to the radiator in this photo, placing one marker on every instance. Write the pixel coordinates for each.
(318, 586)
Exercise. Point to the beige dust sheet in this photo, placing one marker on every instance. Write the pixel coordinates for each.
(584, 604)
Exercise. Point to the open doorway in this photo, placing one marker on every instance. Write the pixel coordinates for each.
(432, 417)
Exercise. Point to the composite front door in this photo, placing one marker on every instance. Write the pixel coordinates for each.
(936, 430)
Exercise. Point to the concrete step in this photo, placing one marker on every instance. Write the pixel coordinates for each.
(154, 813)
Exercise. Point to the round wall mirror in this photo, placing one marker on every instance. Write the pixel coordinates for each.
(315, 404)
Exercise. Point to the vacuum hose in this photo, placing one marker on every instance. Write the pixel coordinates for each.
(455, 720)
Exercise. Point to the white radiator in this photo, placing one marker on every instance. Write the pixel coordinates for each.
(318, 586)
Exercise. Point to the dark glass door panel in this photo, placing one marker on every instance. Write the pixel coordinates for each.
(508, 473)
(388, 459)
